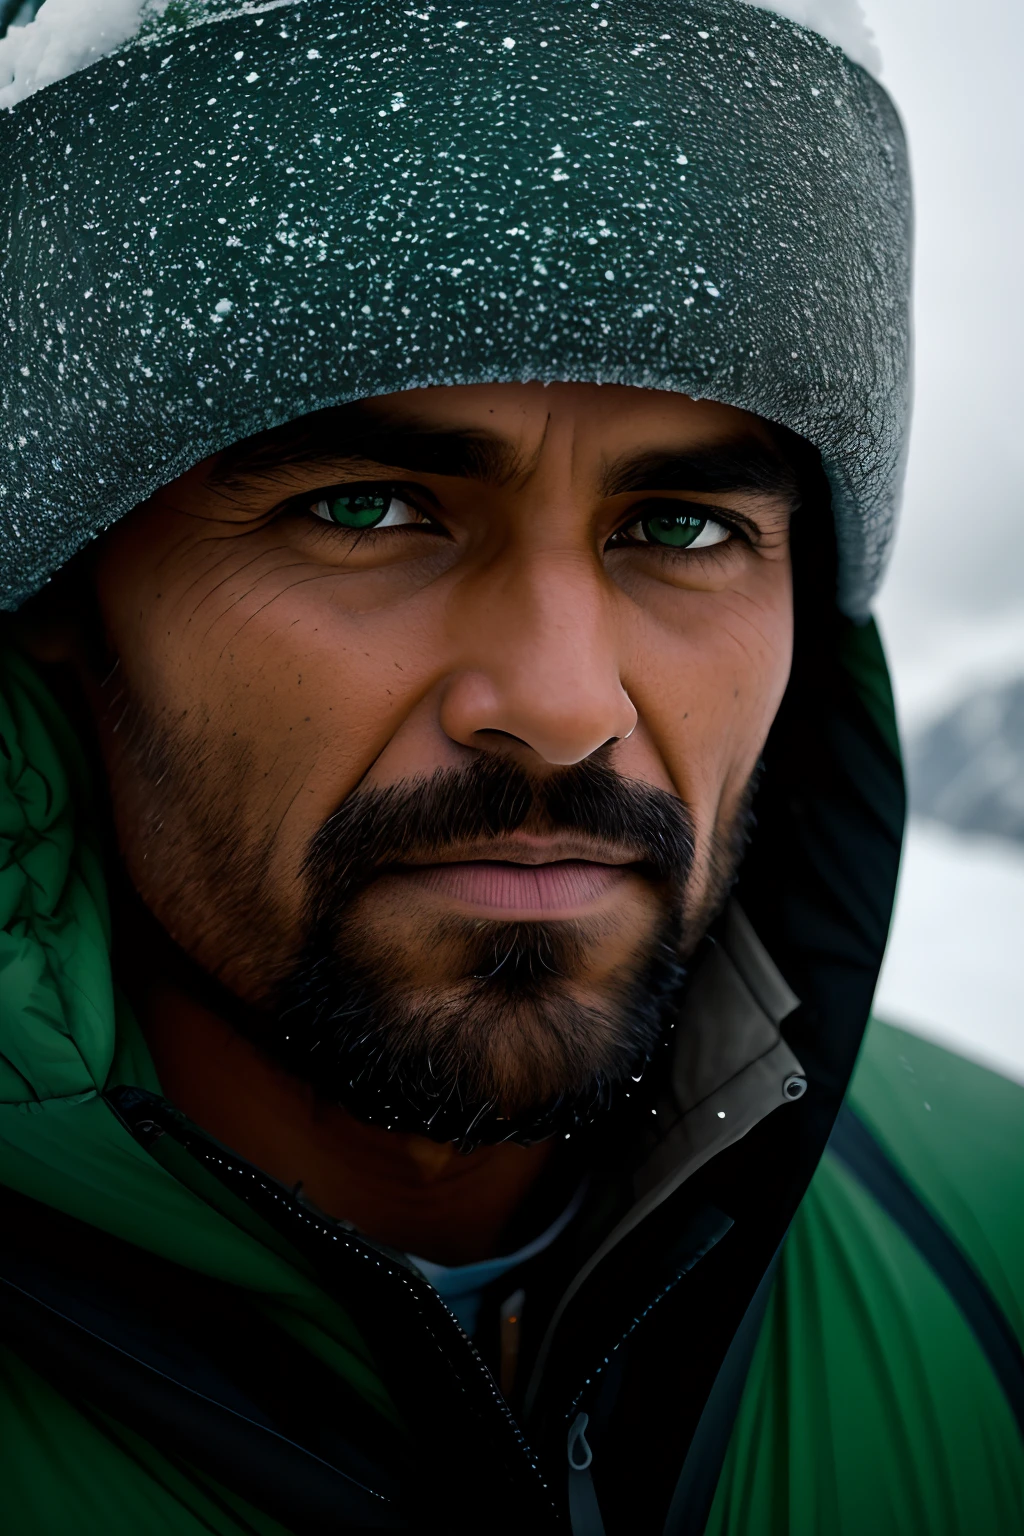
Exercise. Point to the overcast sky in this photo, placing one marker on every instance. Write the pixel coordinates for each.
(953, 604)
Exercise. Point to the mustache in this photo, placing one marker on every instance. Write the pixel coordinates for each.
(379, 826)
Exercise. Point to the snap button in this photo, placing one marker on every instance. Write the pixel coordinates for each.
(794, 1086)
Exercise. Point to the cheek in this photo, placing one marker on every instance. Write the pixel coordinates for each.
(710, 686)
(292, 694)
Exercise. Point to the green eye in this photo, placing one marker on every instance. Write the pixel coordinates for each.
(363, 510)
(368, 506)
(678, 532)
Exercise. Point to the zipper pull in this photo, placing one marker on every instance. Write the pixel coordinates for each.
(584, 1510)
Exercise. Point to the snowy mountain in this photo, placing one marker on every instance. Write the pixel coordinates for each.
(966, 769)
(952, 969)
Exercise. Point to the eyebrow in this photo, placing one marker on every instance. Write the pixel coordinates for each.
(744, 464)
(361, 437)
(355, 435)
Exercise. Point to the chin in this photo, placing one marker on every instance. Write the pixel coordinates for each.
(513, 1051)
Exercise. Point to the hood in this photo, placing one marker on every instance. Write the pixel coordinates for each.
(245, 215)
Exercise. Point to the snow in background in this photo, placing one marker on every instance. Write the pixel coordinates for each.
(952, 971)
(66, 35)
(952, 607)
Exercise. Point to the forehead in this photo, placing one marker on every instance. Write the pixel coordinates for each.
(499, 433)
(583, 402)
(516, 408)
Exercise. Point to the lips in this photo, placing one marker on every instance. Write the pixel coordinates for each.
(561, 887)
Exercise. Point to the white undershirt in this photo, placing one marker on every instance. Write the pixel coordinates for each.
(461, 1286)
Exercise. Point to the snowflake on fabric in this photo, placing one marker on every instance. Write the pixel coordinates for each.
(47, 41)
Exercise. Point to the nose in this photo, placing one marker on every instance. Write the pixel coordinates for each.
(538, 644)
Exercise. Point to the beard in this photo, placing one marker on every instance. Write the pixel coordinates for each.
(503, 1048)
(507, 1043)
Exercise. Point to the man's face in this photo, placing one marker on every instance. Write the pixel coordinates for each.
(431, 725)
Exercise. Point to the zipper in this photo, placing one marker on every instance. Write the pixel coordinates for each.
(585, 1519)
(584, 1510)
(148, 1117)
(711, 1226)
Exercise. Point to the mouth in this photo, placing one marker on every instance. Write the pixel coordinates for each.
(530, 879)
(566, 888)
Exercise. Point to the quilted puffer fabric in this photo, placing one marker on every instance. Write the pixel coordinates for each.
(234, 222)
(57, 1040)
(66, 1032)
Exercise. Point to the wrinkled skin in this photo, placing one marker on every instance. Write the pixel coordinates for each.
(262, 663)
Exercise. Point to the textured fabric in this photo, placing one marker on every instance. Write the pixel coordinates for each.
(54, 927)
(238, 222)
(68, 36)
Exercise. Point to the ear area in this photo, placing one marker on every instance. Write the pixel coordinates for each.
(57, 625)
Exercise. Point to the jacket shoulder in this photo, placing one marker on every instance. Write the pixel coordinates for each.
(870, 1404)
(955, 1131)
(66, 1466)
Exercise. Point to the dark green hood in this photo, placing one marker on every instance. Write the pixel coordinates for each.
(230, 224)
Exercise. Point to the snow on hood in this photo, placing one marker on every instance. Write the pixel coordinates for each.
(842, 21)
(66, 35)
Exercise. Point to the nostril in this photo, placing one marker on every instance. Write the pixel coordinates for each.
(491, 732)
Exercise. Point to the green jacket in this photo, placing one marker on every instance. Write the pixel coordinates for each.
(817, 1331)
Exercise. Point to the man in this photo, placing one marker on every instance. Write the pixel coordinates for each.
(453, 809)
